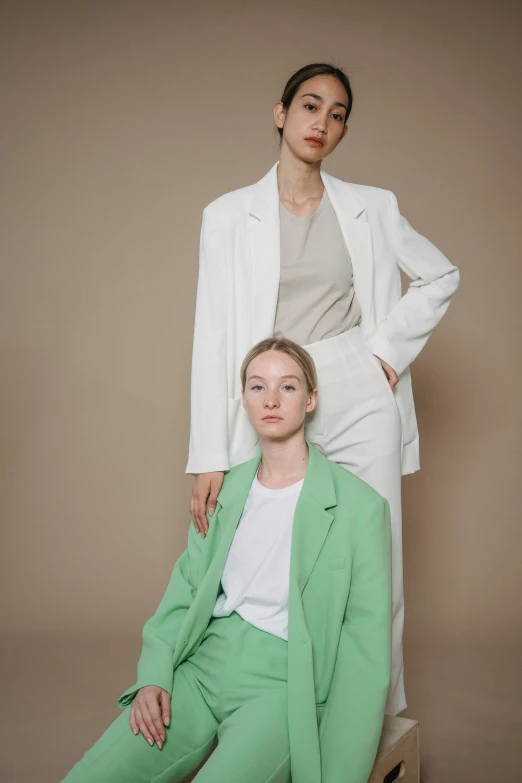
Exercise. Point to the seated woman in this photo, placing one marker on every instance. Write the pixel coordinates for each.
(274, 633)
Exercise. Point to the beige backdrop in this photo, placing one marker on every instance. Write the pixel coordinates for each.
(120, 121)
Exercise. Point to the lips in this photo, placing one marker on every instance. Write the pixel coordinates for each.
(271, 418)
(315, 141)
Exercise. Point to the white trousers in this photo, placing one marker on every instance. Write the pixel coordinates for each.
(357, 424)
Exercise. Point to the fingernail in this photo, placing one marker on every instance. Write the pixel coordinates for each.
(151, 742)
(211, 511)
(167, 721)
(135, 731)
(160, 745)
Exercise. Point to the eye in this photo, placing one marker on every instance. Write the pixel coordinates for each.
(288, 387)
(309, 106)
(338, 117)
(256, 387)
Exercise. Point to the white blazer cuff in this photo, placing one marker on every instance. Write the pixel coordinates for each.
(211, 463)
(382, 348)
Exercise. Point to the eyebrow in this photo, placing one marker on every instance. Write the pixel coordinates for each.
(318, 98)
(283, 377)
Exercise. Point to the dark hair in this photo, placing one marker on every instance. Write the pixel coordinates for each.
(308, 72)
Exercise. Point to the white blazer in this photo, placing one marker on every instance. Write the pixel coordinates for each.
(237, 296)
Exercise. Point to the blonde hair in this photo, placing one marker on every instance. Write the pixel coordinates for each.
(295, 351)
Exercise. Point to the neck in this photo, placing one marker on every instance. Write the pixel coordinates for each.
(297, 180)
(283, 464)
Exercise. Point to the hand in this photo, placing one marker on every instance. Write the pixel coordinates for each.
(150, 713)
(206, 487)
(391, 375)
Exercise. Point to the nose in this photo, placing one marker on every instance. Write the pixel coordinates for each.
(271, 402)
(320, 122)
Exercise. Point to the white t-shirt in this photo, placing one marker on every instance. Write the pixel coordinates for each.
(256, 575)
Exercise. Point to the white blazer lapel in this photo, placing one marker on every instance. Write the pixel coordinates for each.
(357, 235)
(264, 240)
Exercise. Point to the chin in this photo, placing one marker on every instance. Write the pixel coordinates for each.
(273, 432)
(270, 428)
(313, 155)
(306, 153)
(279, 434)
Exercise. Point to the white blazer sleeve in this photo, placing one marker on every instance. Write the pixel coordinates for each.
(208, 449)
(401, 335)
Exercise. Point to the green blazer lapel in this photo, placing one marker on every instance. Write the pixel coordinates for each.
(312, 522)
(312, 519)
(231, 502)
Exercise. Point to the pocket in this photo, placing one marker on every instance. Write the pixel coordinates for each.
(376, 362)
(336, 563)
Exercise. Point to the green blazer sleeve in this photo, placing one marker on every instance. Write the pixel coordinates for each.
(155, 666)
(352, 720)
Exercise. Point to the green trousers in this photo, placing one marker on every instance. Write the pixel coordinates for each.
(232, 687)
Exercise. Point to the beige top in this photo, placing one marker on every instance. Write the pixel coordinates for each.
(316, 294)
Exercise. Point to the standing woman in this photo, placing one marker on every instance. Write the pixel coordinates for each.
(304, 255)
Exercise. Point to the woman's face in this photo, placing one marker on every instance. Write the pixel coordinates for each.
(314, 123)
(276, 397)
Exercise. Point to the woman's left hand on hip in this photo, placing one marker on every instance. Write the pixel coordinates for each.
(390, 373)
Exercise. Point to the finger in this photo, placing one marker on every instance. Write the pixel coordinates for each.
(165, 707)
(205, 498)
(212, 501)
(211, 505)
(199, 510)
(143, 727)
(202, 519)
(193, 514)
(132, 721)
(150, 723)
(155, 715)
(201, 522)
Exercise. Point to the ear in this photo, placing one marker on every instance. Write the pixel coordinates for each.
(312, 401)
(345, 131)
(279, 114)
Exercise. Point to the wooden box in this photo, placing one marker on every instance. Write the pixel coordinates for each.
(399, 747)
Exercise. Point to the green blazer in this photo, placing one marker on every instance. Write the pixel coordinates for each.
(339, 616)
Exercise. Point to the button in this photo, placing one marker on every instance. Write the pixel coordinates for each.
(184, 643)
